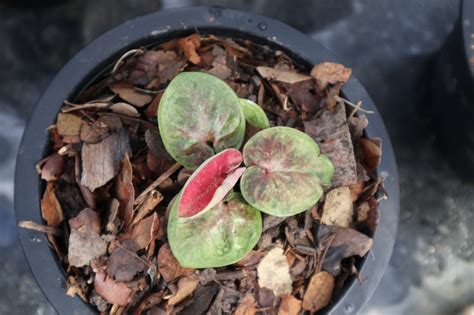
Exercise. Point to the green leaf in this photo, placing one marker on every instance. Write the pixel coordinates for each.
(285, 171)
(218, 237)
(254, 114)
(199, 115)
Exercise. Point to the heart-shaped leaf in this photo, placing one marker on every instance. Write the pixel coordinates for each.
(210, 183)
(254, 114)
(220, 236)
(198, 116)
(285, 171)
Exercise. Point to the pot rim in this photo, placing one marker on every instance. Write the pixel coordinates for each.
(157, 27)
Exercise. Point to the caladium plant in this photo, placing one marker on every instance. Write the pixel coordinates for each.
(202, 124)
(285, 172)
(199, 115)
(254, 114)
(220, 236)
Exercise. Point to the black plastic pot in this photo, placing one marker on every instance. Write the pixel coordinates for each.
(451, 108)
(158, 27)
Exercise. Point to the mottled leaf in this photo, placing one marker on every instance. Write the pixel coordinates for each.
(285, 171)
(218, 237)
(254, 114)
(199, 115)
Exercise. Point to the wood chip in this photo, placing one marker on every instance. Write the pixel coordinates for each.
(319, 291)
(281, 75)
(247, 305)
(146, 230)
(51, 209)
(68, 124)
(168, 266)
(101, 161)
(128, 93)
(186, 287)
(84, 245)
(149, 204)
(125, 109)
(372, 149)
(331, 133)
(112, 291)
(189, 45)
(125, 191)
(330, 73)
(289, 305)
(53, 167)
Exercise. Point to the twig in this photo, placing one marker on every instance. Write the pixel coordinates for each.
(359, 108)
(323, 256)
(157, 182)
(129, 53)
(83, 106)
(30, 225)
(146, 91)
(359, 105)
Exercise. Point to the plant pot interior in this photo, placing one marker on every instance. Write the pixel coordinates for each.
(104, 66)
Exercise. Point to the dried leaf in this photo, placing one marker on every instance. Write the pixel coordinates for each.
(88, 218)
(332, 134)
(53, 167)
(51, 210)
(251, 259)
(274, 272)
(246, 305)
(122, 265)
(319, 291)
(357, 124)
(372, 150)
(219, 68)
(146, 230)
(125, 109)
(152, 64)
(368, 214)
(156, 146)
(112, 291)
(128, 93)
(346, 243)
(330, 73)
(281, 75)
(149, 302)
(189, 45)
(101, 161)
(125, 191)
(84, 245)
(202, 300)
(186, 287)
(289, 305)
(168, 266)
(68, 124)
(338, 209)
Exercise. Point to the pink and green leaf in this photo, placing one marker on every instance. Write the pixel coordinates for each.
(199, 115)
(254, 114)
(220, 236)
(210, 183)
(285, 172)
